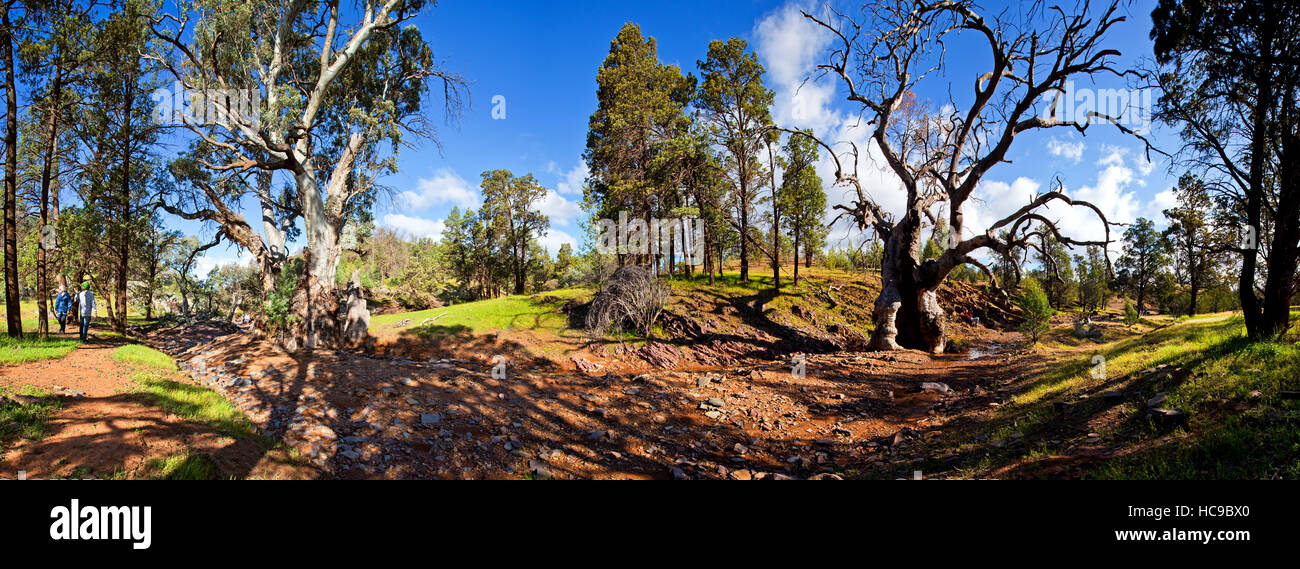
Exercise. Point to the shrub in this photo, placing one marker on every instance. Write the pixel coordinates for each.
(1131, 315)
(632, 298)
(1037, 310)
(279, 303)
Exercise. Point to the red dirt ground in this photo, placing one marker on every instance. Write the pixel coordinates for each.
(360, 416)
(109, 432)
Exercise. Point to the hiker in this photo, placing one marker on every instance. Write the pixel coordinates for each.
(62, 304)
(87, 301)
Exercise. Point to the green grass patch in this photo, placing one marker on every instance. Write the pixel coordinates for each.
(194, 403)
(26, 421)
(522, 312)
(186, 466)
(145, 356)
(32, 348)
(1238, 426)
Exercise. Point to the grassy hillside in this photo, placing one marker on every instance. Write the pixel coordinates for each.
(1079, 416)
(523, 312)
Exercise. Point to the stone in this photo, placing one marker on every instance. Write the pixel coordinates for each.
(740, 475)
(826, 476)
(430, 418)
(1158, 400)
(900, 437)
(1169, 416)
(539, 469)
(935, 386)
(22, 400)
(714, 401)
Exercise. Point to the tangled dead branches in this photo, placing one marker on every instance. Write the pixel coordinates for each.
(632, 299)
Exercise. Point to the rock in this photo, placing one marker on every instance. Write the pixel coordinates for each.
(1158, 400)
(900, 437)
(430, 418)
(779, 476)
(538, 469)
(714, 401)
(1169, 416)
(1113, 396)
(841, 431)
(826, 476)
(935, 386)
(22, 400)
(585, 366)
(1062, 407)
(679, 474)
(410, 382)
(740, 475)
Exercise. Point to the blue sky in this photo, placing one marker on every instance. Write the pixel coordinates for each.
(542, 58)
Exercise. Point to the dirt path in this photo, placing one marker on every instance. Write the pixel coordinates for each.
(104, 430)
(358, 416)
(380, 416)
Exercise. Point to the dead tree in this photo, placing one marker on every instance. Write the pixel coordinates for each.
(879, 58)
(312, 90)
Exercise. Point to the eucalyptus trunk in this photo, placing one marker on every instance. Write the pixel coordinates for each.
(907, 312)
(12, 310)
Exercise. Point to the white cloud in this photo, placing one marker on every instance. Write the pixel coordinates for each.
(790, 46)
(571, 182)
(561, 211)
(1145, 166)
(445, 187)
(1162, 201)
(1072, 151)
(416, 227)
(232, 255)
(1111, 192)
(554, 238)
(1112, 155)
